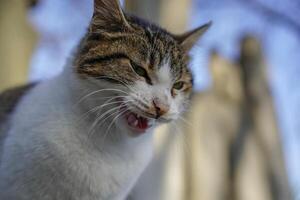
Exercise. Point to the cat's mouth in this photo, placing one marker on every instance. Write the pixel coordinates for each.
(138, 123)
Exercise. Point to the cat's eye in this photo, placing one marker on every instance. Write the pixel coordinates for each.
(178, 86)
(141, 72)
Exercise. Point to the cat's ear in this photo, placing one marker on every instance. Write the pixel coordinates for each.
(108, 15)
(189, 39)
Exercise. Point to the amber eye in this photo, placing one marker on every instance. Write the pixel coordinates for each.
(178, 86)
(141, 72)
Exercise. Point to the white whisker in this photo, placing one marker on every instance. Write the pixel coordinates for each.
(108, 114)
(98, 108)
(110, 125)
(97, 91)
(99, 118)
(185, 121)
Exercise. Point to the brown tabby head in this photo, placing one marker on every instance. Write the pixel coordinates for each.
(124, 50)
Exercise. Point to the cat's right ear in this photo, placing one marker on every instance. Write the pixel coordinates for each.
(108, 16)
(189, 39)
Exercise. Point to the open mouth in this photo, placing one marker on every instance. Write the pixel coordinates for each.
(138, 123)
(135, 121)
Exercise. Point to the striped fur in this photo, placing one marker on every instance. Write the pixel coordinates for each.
(109, 49)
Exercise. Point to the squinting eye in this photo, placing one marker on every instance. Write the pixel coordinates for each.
(141, 72)
(178, 86)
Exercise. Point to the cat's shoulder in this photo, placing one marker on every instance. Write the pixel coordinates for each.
(10, 98)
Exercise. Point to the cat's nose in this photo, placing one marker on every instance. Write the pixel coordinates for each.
(160, 107)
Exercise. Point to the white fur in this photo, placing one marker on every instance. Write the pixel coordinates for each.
(164, 74)
(161, 89)
(48, 115)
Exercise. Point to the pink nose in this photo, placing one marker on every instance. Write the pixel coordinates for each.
(160, 108)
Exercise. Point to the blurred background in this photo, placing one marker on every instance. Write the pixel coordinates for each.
(241, 139)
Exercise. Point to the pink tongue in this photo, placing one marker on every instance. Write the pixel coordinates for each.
(143, 123)
(131, 119)
(140, 123)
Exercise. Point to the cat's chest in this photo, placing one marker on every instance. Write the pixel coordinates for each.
(112, 174)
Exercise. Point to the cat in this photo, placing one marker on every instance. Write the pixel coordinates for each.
(87, 133)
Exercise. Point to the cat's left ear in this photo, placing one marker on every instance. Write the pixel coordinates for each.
(189, 39)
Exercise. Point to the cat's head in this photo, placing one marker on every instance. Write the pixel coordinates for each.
(139, 64)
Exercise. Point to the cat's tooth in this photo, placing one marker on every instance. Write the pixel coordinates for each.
(135, 122)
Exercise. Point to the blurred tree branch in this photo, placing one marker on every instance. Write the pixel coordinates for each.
(32, 3)
(257, 6)
(272, 14)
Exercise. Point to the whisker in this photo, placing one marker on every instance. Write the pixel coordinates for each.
(112, 113)
(109, 113)
(136, 107)
(119, 96)
(133, 92)
(97, 91)
(98, 108)
(99, 118)
(185, 143)
(145, 105)
(118, 80)
(110, 125)
(185, 121)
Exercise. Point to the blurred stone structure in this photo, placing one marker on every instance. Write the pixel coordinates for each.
(17, 40)
(262, 117)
